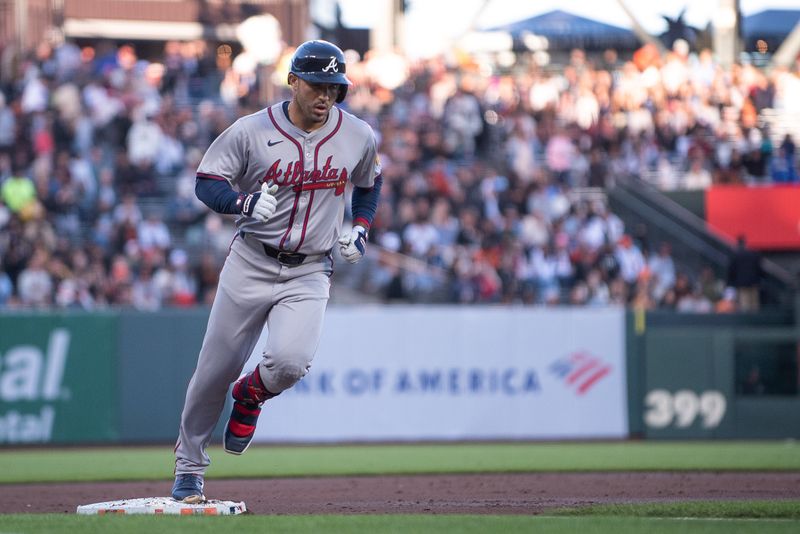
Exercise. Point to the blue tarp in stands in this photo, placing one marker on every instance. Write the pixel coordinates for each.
(770, 22)
(771, 25)
(564, 31)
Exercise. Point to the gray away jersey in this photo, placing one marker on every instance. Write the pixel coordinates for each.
(310, 169)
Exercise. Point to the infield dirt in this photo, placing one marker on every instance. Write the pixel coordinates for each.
(528, 493)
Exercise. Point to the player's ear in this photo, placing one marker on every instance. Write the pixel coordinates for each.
(292, 80)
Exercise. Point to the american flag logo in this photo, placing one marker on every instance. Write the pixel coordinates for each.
(580, 370)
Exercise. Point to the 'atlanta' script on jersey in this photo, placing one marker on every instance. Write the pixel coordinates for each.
(302, 180)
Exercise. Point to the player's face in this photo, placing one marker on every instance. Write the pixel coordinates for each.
(314, 101)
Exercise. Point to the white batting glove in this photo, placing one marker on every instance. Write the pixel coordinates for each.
(261, 205)
(353, 244)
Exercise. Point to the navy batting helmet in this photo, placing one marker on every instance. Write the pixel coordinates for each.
(321, 62)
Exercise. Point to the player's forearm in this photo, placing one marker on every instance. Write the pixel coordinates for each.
(365, 203)
(218, 195)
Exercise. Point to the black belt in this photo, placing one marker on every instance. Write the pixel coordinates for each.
(284, 257)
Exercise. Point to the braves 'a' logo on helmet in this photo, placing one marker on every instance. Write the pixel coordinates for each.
(321, 62)
(333, 65)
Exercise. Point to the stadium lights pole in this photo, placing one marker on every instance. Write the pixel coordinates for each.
(260, 36)
(266, 87)
(639, 30)
(789, 49)
(381, 37)
(399, 21)
(389, 31)
(477, 17)
(21, 21)
(726, 32)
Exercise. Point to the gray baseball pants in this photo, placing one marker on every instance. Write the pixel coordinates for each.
(253, 289)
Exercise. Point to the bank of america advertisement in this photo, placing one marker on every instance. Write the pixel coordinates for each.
(407, 373)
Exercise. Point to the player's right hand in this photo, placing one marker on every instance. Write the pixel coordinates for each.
(262, 204)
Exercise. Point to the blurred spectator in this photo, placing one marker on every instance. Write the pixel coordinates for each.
(744, 274)
(753, 384)
(642, 296)
(783, 167)
(662, 268)
(175, 283)
(463, 121)
(128, 212)
(559, 154)
(35, 285)
(144, 138)
(710, 286)
(145, 293)
(726, 304)
(207, 277)
(484, 195)
(420, 235)
(599, 293)
(8, 128)
(630, 258)
(152, 233)
(697, 177)
(5, 215)
(6, 288)
(694, 302)
(679, 291)
(73, 293)
(184, 208)
(18, 192)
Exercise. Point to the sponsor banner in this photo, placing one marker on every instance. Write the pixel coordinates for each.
(769, 217)
(57, 379)
(446, 373)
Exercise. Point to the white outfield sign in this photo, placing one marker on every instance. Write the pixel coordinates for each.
(447, 373)
(29, 375)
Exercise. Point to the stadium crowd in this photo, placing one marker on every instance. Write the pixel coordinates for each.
(493, 180)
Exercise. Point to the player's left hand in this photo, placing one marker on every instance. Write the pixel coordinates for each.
(353, 244)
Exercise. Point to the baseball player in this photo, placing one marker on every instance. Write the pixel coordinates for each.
(283, 171)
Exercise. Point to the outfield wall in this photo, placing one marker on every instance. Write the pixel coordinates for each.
(58, 378)
(413, 373)
(417, 373)
(713, 376)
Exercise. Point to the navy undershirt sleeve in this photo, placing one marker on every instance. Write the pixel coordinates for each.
(218, 195)
(365, 202)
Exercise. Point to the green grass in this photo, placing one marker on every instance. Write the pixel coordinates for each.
(695, 509)
(156, 463)
(151, 463)
(384, 523)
